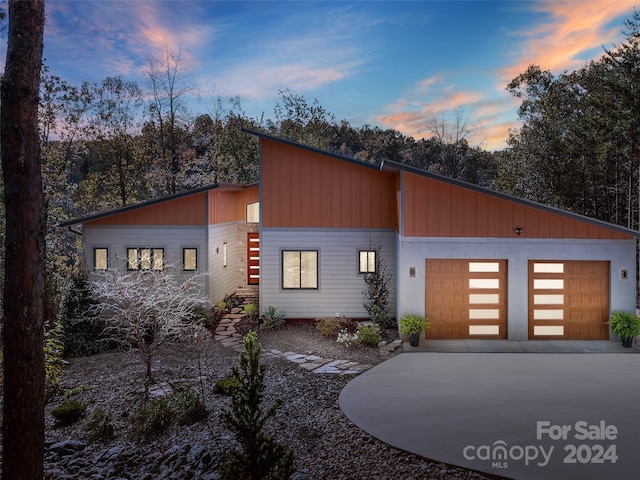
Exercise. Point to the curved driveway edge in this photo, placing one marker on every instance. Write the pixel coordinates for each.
(524, 416)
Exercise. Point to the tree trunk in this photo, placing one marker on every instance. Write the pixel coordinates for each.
(23, 407)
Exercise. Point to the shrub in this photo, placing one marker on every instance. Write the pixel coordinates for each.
(154, 417)
(68, 413)
(330, 326)
(368, 334)
(260, 456)
(376, 293)
(53, 349)
(183, 408)
(348, 339)
(252, 310)
(226, 385)
(99, 426)
(188, 408)
(273, 319)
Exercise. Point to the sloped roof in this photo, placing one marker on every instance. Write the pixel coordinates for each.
(128, 208)
(389, 165)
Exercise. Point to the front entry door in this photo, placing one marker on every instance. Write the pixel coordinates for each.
(253, 258)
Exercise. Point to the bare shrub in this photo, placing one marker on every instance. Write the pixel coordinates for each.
(145, 309)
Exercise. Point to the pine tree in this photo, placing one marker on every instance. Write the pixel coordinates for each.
(261, 457)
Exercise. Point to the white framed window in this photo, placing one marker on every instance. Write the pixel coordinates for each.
(189, 259)
(224, 254)
(100, 258)
(366, 261)
(253, 212)
(300, 269)
(145, 258)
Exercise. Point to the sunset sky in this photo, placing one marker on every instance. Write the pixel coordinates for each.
(382, 63)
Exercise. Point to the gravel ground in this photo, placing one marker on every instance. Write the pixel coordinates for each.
(326, 445)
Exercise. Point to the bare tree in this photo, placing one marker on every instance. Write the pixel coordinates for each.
(144, 309)
(452, 138)
(167, 75)
(23, 406)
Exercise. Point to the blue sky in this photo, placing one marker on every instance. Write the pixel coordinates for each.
(387, 64)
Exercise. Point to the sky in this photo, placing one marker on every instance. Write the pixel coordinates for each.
(390, 64)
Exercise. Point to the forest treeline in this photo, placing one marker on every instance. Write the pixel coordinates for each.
(117, 142)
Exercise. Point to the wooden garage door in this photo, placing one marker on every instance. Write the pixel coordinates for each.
(568, 300)
(466, 298)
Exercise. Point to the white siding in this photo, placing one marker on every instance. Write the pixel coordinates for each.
(340, 285)
(118, 238)
(223, 280)
(518, 252)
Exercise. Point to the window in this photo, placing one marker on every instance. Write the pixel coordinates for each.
(145, 258)
(189, 259)
(100, 258)
(300, 269)
(253, 212)
(224, 254)
(367, 261)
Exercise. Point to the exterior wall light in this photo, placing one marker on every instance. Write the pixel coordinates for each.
(518, 230)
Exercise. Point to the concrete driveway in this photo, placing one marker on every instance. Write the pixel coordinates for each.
(518, 415)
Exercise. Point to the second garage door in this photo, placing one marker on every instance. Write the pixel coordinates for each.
(466, 298)
(568, 300)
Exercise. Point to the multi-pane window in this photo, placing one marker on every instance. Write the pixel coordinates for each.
(300, 269)
(100, 258)
(189, 259)
(367, 261)
(139, 258)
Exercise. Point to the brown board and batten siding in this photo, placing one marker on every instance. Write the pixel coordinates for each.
(307, 189)
(439, 209)
(187, 210)
(228, 204)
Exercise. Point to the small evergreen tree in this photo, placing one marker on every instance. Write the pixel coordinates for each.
(376, 293)
(261, 456)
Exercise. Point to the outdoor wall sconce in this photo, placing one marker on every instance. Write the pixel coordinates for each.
(518, 230)
(217, 250)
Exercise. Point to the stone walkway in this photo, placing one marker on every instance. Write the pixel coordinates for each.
(226, 334)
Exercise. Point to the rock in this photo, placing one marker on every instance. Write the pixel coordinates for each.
(67, 447)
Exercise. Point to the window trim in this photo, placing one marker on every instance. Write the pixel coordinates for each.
(317, 269)
(152, 251)
(95, 251)
(184, 259)
(257, 213)
(224, 255)
(369, 270)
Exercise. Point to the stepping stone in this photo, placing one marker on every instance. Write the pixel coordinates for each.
(336, 363)
(295, 356)
(225, 333)
(347, 365)
(288, 354)
(297, 360)
(327, 369)
(312, 358)
(276, 352)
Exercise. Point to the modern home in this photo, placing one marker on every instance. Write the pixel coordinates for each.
(477, 263)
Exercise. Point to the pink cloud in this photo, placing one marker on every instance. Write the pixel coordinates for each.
(574, 28)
